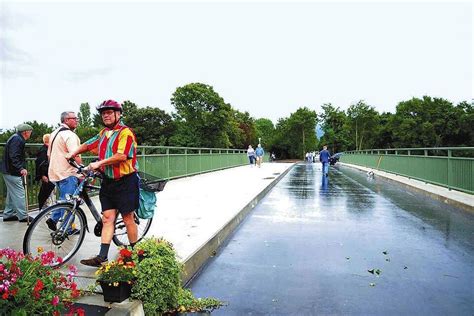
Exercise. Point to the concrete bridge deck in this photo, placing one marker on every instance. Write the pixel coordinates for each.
(197, 213)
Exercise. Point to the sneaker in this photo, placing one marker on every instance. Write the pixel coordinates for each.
(94, 261)
(51, 224)
(26, 219)
(10, 219)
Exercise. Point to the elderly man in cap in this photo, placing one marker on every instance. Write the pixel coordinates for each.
(13, 167)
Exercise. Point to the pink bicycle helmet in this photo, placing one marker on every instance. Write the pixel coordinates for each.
(109, 105)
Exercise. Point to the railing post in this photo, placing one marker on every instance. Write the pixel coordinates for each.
(168, 155)
(426, 152)
(186, 161)
(144, 159)
(449, 168)
(200, 161)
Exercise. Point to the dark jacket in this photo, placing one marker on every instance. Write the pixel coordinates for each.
(41, 163)
(324, 156)
(14, 156)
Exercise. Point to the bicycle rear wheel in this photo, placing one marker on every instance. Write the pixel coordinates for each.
(41, 238)
(120, 236)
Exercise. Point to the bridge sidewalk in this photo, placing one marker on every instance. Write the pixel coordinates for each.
(195, 214)
(453, 197)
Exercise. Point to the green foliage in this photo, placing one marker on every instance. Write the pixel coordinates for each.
(84, 115)
(361, 124)
(336, 136)
(39, 129)
(202, 116)
(187, 302)
(297, 134)
(158, 282)
(242, 132)
(264, 130)
(152, 126)
(158, 276)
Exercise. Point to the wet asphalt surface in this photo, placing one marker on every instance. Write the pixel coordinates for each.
(307, 247)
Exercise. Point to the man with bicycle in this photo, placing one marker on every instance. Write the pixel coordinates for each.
(117, 150)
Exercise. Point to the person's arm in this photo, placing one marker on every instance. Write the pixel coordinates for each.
(79, 150)
(116, 158)
(72, 143)
(89, 145)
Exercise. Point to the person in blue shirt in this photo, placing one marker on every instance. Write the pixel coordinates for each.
(324, 159)
(259, 153)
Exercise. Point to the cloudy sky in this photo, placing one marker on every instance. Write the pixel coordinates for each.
(266, 58)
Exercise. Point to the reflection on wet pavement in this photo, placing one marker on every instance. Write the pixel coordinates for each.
(308, 246)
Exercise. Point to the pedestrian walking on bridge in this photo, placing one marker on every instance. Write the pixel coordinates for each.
(324, 159)
(259, 152)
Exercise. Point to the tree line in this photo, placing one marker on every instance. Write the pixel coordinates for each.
(203, 119)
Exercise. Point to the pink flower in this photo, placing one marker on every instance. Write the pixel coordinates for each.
(55, 300)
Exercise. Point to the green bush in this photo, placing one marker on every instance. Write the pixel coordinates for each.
(158, 281)
(158, 276)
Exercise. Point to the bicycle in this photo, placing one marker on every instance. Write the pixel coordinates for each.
(66, 240)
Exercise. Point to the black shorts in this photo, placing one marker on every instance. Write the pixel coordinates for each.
(122, 194)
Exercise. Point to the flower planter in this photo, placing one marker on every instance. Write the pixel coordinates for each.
(115, 294)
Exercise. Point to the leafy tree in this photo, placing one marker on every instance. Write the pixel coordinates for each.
(85, 129)
(303, 122)
(39, 129)
(384, 134)
(264, 130)
(84, 115)
(336, 136)
(362, 122)
(426, 122)
(208, 118)
(242, 131)
(465, 114)
(296, 134)
(282, 143)
(152, 126)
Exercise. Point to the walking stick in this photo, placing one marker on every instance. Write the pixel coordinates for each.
(25, 185)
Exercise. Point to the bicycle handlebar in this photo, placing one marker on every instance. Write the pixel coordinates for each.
(83, 169)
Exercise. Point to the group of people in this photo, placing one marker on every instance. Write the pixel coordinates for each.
(255, 155)
(116, 146)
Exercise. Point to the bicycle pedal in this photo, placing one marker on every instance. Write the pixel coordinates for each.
(98, 229)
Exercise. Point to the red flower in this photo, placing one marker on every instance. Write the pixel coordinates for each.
(5, 295)
(141, 252)
(39, 286)
(125, 253)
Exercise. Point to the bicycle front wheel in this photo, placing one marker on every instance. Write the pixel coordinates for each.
(120, 236)
(64, 241)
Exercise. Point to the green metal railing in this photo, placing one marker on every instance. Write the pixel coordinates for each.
(450, 167)
(159, 161)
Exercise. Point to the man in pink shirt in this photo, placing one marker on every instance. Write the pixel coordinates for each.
(63, 141)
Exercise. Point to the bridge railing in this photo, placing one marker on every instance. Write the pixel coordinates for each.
(450, 167)
(160, 161)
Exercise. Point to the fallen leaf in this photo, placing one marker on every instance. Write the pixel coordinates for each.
(371, 271)
(385, 252)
